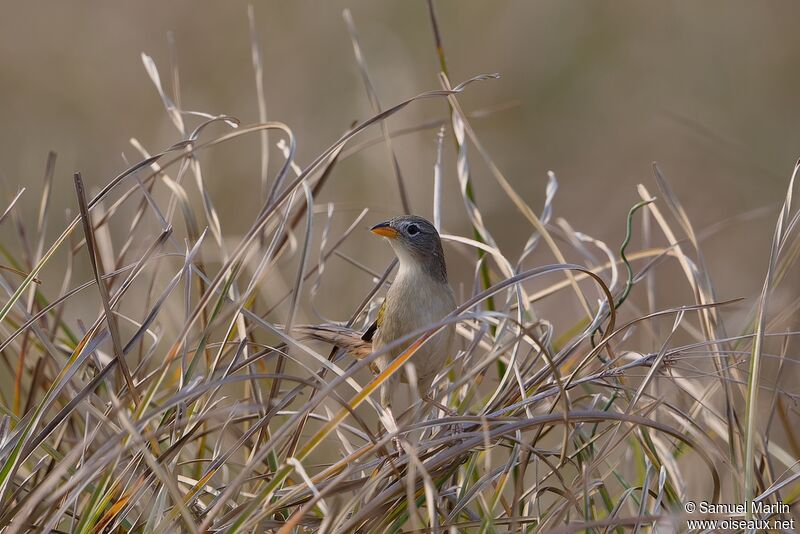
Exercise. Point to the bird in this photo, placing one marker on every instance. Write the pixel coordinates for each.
(419, 297)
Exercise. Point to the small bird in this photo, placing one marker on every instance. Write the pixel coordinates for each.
(419, 297)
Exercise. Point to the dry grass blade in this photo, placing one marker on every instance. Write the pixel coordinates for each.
(23, 274)
(754, 382)
(103, 290)
(437, 182)
(376, 108)
(15, 455)
(11, 205)
(44, 206)
(172, 110)
(515, 197)
(462, 167)
(258, 71)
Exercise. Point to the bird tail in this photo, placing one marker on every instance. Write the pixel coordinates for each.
(340, 336)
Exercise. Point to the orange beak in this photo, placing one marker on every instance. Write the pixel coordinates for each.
(384, 230)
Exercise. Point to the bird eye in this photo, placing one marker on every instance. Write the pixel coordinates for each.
(412, 229)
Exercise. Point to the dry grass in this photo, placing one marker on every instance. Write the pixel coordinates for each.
(183, 400)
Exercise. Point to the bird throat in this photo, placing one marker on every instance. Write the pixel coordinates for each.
(415, 264)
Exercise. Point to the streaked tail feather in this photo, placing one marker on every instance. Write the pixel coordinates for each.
(345, 338)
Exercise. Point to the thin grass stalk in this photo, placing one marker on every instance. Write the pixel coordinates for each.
(470, 194)
(751, 429)
(97, 268)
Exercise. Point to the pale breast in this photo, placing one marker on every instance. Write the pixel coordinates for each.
(416, 301)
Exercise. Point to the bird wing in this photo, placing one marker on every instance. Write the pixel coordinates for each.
(370, 333)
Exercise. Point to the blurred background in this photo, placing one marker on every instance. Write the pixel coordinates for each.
(594, 91)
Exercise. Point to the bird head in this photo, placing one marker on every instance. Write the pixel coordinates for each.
(416, 243)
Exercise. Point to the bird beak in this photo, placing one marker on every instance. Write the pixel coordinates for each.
(385, 230)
